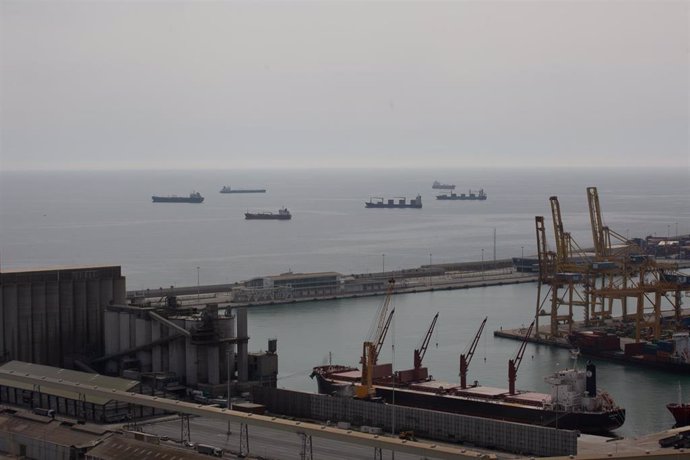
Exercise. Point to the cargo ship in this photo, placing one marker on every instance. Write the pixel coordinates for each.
(671, 355)
(282, 214)
(438, 185)
(480, 195)
(397, 202)
(228, 189)
(194, 197)
(574, 403)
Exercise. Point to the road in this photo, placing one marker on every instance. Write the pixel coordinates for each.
(268, 444)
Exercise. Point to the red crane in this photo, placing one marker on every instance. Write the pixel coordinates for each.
(514, 364)
(421, 351)
(466, 358)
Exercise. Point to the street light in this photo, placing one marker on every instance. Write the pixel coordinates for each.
(431, 283)
(383, 263)
(482, 263)
(198, 296)
(229, 405)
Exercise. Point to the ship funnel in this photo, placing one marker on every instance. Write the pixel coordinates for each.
(591, 381)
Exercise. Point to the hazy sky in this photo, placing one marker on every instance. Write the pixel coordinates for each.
(224, 84)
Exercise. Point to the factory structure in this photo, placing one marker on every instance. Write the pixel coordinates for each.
(78, 318)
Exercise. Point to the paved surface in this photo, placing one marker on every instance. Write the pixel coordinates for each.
(272, 444)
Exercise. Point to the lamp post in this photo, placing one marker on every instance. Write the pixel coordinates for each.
(482, 263)
(522, 258)
(431, 283)
(383, 263)
(229, 405)
(198, 294)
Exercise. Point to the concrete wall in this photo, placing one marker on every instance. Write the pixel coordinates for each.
(441, 426)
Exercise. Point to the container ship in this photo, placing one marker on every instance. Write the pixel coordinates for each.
(397, 202)
(194, 197)
(282, 214)
(480, 195)
(440, 186)
(574, 403)
(228, 189)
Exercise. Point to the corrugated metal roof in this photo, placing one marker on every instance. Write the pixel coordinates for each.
(118, 447)
(59, 268)
(297, 276)
(82, 378)
(53, 432)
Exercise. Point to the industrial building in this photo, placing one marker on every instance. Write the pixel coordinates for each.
(55, 316)
(70, 403)
(78, 318)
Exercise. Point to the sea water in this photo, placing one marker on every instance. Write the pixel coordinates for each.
(107, 218)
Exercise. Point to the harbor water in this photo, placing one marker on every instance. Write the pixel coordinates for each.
(107, 218)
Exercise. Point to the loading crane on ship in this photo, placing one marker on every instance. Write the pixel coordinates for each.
(372, 347)
(465, 358)
(514, 364)
(421, 351)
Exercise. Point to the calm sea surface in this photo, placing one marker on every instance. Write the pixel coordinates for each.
(78, 218)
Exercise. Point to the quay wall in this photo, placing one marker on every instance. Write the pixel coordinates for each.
(439, 426)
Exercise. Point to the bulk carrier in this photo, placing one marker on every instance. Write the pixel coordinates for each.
(574, 402)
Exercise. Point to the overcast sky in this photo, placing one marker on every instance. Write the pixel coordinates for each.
(224, 84)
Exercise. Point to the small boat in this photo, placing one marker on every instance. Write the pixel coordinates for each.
(438, 185)
(397, 202)
(194, 197)
(228, 189)
(479, 195)
(680, 411)
(282, 214)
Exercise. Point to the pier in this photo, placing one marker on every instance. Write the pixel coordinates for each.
(303, 287)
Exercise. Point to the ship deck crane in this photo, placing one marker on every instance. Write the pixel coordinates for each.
(514, 364)
(421, 351)
(465, 358)
(371, 348)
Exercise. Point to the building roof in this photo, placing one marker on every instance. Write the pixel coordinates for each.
(118, 447)
(82, 378)
(51, 431)
(299, 276)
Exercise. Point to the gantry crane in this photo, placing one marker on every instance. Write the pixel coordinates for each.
(608, 275)
(466, 357)
(514, 364)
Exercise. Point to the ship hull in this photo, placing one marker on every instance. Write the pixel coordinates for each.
(461, 198)
(266, 217)
(244, 191)
(680, 412)
(176, 199)
(386, 205)
(587, 422)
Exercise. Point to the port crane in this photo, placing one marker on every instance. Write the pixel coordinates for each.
(421, 351)
(514, 364)
(465, 358)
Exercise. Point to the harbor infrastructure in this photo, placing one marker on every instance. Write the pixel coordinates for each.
(297, 287)
(46, 437)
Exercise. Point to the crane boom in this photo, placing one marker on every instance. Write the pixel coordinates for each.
(514, 364)
(466, 358)
(599, 237)
(558, 232)
(378, 345)
(421, 351)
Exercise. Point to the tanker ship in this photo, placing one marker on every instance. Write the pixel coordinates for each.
(574, 403)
